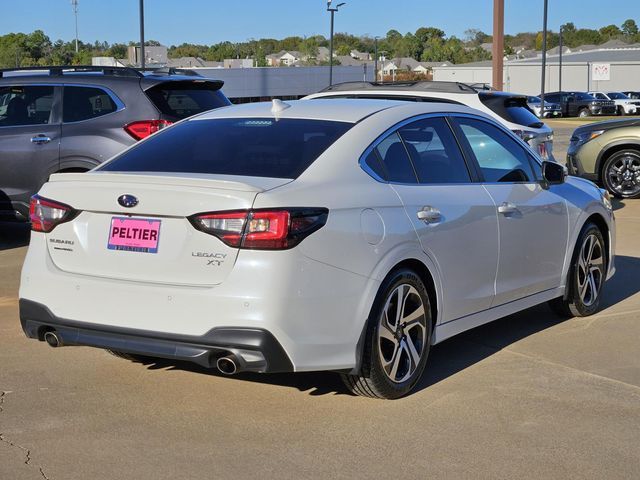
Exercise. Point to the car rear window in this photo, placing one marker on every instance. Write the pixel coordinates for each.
(180, 100)
(512, 109)
(255, 147)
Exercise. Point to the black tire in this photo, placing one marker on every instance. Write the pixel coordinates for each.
(375, 380)
(577, 304)
(620, 111)
(629, 160)
(127, 356)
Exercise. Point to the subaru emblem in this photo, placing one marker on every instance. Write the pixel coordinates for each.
(127, 201)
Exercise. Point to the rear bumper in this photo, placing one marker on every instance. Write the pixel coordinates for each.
(256, 348)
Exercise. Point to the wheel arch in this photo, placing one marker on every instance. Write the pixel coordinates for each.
(599, 221)
(427, 278)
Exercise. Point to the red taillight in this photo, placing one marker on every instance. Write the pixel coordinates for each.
(144, 128)
(262, 229)
(45, 214)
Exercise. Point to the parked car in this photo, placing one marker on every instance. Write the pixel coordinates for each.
(551, 110)
(343, 235)
(580, 104)
(633, 95)
(608, 153)
(624, 104)
(70, 119)
(509, 109)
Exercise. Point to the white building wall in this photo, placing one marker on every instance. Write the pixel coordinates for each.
(526, 77)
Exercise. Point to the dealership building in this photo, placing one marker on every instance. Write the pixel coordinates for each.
(605, 69)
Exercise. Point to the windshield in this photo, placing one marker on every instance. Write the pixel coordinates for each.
(583, 96)
(254, 147)
(533, 99)
(617, 96)
(178, 100)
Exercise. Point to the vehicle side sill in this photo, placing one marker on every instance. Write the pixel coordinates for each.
(454, 327)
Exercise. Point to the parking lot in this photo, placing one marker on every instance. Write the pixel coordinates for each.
(528, 396)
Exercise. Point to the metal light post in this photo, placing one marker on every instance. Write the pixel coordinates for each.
(544, 55)
(74, 4)
(560, 62)
(332, 11)
(142, 34)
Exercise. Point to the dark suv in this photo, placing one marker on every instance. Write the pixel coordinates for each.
(580, 104)
(70, 119)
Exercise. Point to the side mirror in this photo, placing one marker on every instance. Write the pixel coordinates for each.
(553, 173)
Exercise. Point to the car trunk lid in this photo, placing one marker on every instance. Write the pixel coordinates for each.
(107, 239)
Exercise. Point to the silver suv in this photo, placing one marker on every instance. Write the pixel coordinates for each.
(71, 119)
(509, 109)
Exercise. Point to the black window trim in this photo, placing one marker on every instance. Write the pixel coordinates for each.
(472, 168)
(55, 116)
(469, 151)
(114, 98)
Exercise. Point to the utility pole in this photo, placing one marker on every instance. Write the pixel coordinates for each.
(142, 34)
(74, 4)
(544, 55)
(332, 11)
(375, 61)
(497, 49)
(560, 62)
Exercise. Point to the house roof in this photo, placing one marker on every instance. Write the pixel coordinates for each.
(349, 61)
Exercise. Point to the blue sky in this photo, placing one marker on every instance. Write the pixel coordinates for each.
(212, 21)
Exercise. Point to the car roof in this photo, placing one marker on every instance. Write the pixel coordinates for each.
(338, 110)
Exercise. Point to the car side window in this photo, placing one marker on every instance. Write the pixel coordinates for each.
(395, 160)
(25, 105)
(499, 157)
(434, 152)
(83, 103)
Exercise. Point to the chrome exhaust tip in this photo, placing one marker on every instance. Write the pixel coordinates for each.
(228, 365)
(52, 339)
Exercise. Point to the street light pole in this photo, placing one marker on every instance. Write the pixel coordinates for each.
(544, 55)
(74, 4)
(332, 11)
(142, 34)
(560, 62)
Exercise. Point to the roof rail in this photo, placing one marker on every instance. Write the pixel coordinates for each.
(173, 71)
(421, 85)
(61, 70)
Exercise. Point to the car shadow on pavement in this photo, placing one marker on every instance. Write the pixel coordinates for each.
(14, 235)
(449, 357)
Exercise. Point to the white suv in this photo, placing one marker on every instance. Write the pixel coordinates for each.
(624, 104)
(511, 110)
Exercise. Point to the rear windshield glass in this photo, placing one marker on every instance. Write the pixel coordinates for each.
(180, 100)
(255, 147)
(512, 109)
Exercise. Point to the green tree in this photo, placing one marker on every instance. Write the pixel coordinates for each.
(610, 31)
(629, 27)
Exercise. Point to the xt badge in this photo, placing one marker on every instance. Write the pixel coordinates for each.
(214, 259)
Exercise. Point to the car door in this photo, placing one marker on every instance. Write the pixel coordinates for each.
(29, 141)
(453, 216)
(532, 218)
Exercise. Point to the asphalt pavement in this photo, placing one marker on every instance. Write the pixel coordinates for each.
(528, 396)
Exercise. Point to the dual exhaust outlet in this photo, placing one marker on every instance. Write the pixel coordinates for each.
(228, 365)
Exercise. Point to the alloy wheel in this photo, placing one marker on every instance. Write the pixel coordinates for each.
(590, 270)
(623, 175)
(402, 333)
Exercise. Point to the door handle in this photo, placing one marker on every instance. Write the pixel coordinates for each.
(429, 214)
(507, 208)
(40, 139)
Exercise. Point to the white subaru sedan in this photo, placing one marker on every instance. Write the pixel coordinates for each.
(342, 235)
